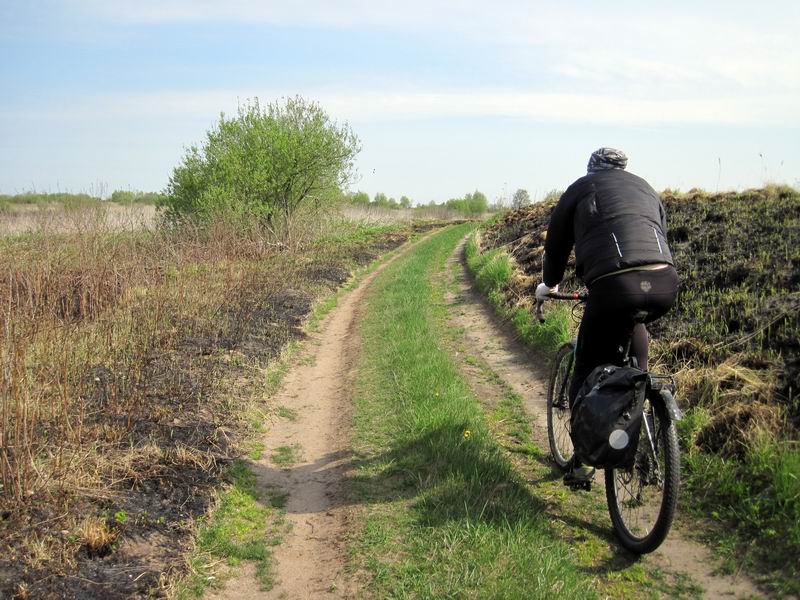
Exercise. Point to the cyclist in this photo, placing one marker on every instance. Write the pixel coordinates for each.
(617, 224)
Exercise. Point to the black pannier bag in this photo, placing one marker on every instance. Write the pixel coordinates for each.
(607, 417)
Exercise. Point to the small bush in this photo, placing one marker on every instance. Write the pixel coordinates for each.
(264, 164)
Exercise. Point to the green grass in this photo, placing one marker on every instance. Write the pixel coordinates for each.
(243, 526)
(286, 456)
(287, 413)
(355, 234)
(761, 494)
(355, 231)
(256, 451)
(447, 514)
(493, 272)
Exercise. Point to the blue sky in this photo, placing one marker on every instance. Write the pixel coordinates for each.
(446, 97)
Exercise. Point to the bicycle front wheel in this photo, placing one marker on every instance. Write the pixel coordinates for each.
(642, 500)
(558, 412)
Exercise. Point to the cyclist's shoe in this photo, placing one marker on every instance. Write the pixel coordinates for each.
(579, 476)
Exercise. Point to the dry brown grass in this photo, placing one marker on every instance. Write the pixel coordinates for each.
(124, 360)
(375, 214)
(81, 315)
(22, 592)
(57, 218)
(724, 384)
(97, 537)
(738, 400)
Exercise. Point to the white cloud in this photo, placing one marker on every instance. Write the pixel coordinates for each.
(620, 64)
(733, 44)
(357, 106)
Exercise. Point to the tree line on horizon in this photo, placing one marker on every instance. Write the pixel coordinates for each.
(472, 203)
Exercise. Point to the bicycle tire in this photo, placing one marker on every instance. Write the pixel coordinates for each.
(558, 411)
(633, 536)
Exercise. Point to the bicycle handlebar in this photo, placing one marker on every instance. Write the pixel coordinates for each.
(579, 296)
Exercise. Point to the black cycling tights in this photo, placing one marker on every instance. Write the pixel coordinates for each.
(608, 318)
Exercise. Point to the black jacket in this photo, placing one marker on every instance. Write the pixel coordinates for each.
(614, 219)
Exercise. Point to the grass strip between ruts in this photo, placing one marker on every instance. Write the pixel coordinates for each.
(446, 514)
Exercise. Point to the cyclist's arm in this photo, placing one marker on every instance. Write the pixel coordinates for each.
(560, 237)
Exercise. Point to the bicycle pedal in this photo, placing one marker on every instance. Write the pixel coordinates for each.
(576, 486)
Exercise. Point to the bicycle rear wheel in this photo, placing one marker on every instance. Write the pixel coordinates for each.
(642, 500)
(558, 412)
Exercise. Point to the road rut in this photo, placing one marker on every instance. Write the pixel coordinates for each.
(310, 561)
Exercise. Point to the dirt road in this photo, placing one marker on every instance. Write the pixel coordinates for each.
(313, 438)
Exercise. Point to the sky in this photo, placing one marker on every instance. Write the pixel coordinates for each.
(446, 97)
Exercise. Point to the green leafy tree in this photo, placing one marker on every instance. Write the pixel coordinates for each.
(457, 204)
(521, 198)
(476, 203)
(360, 199)
(380, 200)
(266, 162)
(129, 197)
(405, 202)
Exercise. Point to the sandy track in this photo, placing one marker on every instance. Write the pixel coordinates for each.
(310, 561)
(486, 336)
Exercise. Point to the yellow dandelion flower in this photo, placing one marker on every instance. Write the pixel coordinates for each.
(467, 434)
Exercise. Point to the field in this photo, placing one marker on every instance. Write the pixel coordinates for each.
(135, 362)
(215, 409)
(59, 217)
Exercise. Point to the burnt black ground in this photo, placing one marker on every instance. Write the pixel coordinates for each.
(161, 498)
(738, 256)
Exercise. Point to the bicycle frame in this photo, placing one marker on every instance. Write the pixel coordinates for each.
(655, 382)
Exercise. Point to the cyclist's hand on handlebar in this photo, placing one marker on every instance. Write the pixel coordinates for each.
(542, 291)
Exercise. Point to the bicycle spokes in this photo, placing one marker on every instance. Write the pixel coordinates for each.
(642, 499)
(558, 410)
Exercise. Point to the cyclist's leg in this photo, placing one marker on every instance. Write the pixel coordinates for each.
(601, 333)
(655, 292)
(590, 351)
(640, 342)
(608, 318)
(603, 330)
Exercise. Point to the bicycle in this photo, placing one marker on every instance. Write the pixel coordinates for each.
(643, 498)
